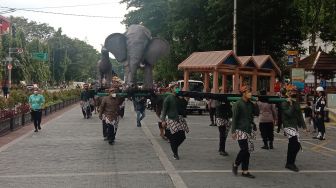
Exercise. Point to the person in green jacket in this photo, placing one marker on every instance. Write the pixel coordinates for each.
(242, 121)
(173, 111)
(292, 119)
(36, 102)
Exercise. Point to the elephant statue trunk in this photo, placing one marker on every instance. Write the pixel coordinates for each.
(137, 49)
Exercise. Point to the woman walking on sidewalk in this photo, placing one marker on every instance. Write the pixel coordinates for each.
(36, 102)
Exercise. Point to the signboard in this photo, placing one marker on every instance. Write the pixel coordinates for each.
(292, 55)
(290, 60)
(40, 56)
(298, 78)
(9, 66)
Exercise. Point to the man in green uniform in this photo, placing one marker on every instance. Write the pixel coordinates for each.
(242, 121)
(292, 118)
(173, 110)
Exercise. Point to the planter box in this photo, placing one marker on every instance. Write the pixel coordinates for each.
(16, 122)
(52, 108)
(5, 126)
(46, 111)
(26, 118)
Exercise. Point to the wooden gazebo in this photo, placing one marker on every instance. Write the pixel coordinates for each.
(322, 65)
(226, 63)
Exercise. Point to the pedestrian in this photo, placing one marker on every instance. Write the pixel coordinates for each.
(267, 119)
(292, 119)
(278, 107)
(242, 125)
(308, 112)
(109, 114)
(36, 101)
(173, 110)
(212, 111)
(5, 90)
(140, 108)
(86, 96)
(223, 115)
(319, 113)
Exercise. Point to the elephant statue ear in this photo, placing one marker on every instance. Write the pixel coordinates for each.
(116, 44)
(156, 49)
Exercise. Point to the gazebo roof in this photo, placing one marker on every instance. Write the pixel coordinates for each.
(247, 61)
(209, 60)
(318, 61)
(260, 62)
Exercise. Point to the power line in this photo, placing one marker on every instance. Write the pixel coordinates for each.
(71, 6)
(64, 14)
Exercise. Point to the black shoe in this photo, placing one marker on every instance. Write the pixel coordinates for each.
(248, 175)
(234, 169)
(271, 147)
(105, 139)
(223, 153)
(36, 130)
(211, 124)
(292, 167)
(265, 147)
(39, 128)
(111, 142)
(176, 157)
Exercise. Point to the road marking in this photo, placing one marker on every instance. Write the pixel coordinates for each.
(174, 176)
(44, 175)
(318, 146)
(326, 148)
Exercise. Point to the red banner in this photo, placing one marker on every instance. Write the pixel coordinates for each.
(4, 25)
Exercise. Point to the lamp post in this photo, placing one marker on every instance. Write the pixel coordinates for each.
(234, 34)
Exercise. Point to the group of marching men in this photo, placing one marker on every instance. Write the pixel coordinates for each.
(171, 109)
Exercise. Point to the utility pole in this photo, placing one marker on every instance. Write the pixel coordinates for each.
(9, 59)
(234, 34)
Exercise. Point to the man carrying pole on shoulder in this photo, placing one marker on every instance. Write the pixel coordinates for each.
(292, 119)
(108, 113)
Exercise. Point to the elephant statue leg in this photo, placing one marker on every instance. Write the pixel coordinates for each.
(133, 67)
(148, 76)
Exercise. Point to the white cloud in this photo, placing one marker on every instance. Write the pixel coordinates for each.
(92, 30)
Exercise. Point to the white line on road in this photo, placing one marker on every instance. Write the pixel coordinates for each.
(154, 172)
(175, 177)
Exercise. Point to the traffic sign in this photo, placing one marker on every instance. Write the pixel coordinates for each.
(19, 50)
(9, 66)
(40, 56)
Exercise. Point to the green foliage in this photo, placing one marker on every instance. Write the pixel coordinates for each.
(263, 26)
(69, 59)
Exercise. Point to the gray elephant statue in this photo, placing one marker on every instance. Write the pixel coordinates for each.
(105, 69)
(137, 49)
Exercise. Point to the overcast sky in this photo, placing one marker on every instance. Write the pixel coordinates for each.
(93, 30)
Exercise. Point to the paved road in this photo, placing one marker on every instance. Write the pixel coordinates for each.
(70, 152)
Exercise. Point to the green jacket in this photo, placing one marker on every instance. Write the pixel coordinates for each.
(173, 107)
(292, 115)
(223, 110)
(242, 116)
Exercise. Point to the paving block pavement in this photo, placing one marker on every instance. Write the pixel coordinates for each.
(70, 152)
